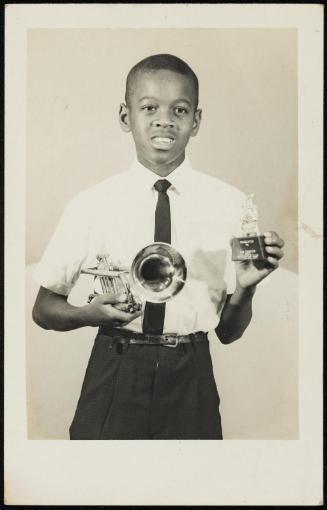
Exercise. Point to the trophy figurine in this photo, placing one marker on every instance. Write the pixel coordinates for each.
(251, 245)
(112, 278)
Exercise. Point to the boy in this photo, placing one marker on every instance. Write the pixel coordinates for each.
(136, 386)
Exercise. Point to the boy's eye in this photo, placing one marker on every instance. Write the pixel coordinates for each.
(148, 108)
(180, 110)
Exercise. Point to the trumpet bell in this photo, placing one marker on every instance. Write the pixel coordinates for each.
(158, 273)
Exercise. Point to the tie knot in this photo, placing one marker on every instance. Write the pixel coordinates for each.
(162, 185)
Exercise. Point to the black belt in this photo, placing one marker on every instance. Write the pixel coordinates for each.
(124, 336)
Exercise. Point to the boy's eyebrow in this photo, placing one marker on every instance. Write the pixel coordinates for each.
(181, 99)
(146, 98)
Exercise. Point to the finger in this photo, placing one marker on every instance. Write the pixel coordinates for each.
(273, 262)
(123, 316)
(118, 324)
(272, 238)
(112, 298)
(232, 241)
(124, 307)
(274, 251)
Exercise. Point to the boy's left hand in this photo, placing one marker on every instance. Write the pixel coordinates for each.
(250, 272)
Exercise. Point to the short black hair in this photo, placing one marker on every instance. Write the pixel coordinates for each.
(156, 63)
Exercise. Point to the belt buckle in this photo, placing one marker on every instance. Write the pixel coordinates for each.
(172, 345)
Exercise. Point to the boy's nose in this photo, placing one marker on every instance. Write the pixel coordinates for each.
(163, 122)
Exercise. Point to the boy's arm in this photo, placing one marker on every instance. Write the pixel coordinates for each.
(237, 312)
(52, 311)
(236, 315)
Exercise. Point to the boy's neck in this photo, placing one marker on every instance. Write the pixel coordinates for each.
(162, 170)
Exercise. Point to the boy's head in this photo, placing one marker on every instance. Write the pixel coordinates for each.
(161, 110)
(159, 62)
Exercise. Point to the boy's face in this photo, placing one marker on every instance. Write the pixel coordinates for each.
(162, 116)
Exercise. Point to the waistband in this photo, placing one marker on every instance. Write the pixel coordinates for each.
(124, 336)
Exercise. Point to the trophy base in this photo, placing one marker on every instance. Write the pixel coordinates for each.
(248, 248)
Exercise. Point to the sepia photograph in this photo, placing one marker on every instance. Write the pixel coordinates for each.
(214, 130)
(162, 248)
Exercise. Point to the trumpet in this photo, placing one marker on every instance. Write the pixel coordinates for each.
(157, 274)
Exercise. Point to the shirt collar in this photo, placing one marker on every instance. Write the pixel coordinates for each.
(178, 177)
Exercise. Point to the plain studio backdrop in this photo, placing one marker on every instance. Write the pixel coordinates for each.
(248, 137)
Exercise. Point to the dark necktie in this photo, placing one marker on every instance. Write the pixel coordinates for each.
(154, 313)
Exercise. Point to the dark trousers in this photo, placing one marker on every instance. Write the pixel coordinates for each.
(148, 392)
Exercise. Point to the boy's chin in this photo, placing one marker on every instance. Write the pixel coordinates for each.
(157, 160)
(162, 157)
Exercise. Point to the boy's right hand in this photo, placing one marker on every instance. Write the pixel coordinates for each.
(108, 310)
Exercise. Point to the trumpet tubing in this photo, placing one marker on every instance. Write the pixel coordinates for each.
(158, 273)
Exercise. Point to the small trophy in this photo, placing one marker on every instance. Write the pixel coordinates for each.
(112, 278)
(251, 245)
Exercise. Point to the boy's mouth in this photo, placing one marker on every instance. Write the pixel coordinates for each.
(162, 142)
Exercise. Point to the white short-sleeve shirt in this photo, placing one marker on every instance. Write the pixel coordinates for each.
(117, 217)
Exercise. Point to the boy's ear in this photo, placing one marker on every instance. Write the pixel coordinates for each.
(124, 118)
(196, 121)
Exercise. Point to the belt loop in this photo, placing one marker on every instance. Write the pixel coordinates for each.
(192, 337)
(122, 346)
(125, 346)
